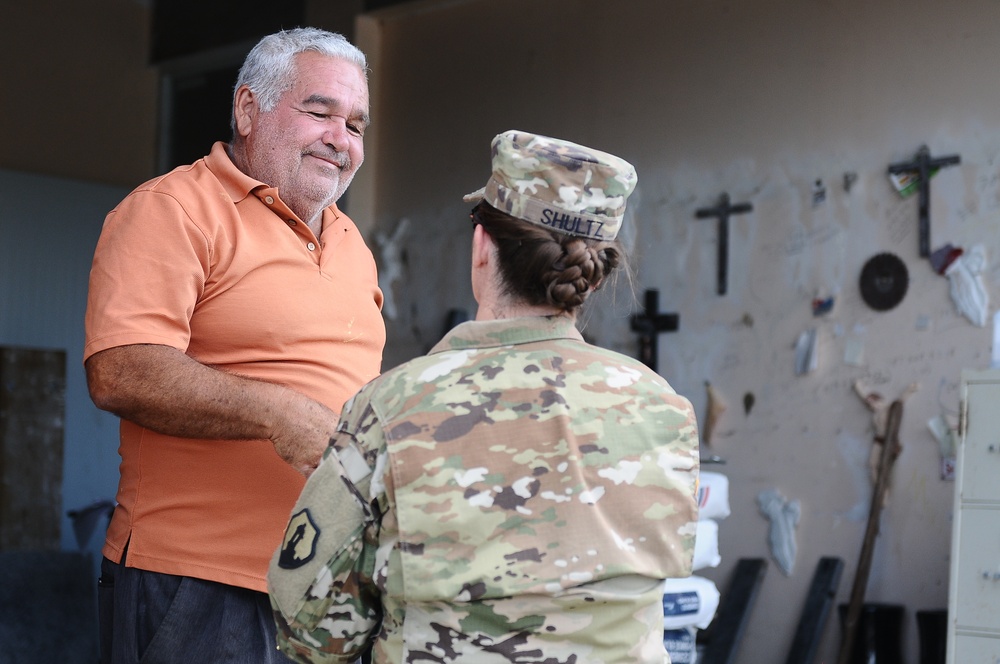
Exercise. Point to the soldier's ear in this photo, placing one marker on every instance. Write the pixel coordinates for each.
(482, 247)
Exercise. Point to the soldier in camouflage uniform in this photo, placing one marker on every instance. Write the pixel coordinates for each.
(517, 495)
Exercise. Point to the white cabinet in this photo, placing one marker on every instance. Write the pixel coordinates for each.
(974, 588)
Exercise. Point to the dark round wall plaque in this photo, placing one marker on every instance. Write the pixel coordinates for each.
(883, 281)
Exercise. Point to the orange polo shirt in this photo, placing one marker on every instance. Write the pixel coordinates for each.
(210, 261)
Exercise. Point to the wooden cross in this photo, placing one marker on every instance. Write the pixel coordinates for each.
(922, 166)
(649, 325)
(722, 211)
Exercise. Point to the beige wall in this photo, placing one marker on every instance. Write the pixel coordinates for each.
(79, 99)
(759, 100)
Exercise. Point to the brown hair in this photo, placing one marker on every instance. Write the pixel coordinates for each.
(545, 267)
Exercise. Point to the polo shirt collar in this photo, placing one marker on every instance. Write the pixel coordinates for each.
(236, 183)
(239, 185)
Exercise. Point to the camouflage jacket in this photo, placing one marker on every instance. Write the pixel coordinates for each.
(516, 495)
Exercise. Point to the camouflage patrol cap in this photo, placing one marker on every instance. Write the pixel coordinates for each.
(557, 184)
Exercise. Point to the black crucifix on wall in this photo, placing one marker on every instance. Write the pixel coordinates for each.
(722, 211)
(922, 167)
(649, 325)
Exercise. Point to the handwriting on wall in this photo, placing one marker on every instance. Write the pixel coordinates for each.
(800, 240)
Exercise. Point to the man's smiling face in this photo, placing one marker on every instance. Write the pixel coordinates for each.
(310, 144)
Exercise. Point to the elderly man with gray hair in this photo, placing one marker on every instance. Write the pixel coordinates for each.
(233, 309)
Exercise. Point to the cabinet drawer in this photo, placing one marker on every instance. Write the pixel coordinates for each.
(976, 649)
(981, 447)
(978, 568)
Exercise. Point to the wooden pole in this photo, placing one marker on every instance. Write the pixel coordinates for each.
(890, 450)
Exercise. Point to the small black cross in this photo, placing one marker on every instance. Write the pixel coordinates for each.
(649, 325)
(722, 212)
(923, 166)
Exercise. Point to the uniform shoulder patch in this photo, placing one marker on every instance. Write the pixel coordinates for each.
(299, 545)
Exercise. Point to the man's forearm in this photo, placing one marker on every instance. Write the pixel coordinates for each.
(162, 389)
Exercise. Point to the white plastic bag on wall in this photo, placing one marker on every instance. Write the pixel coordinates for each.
(713, 496)
(706, 545)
